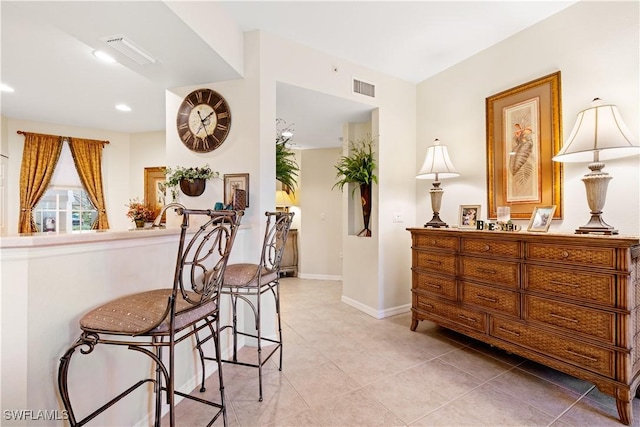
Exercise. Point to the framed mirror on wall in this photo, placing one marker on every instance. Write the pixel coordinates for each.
(155, 188)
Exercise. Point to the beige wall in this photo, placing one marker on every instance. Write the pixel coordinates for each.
(320, 252)
(595, 46)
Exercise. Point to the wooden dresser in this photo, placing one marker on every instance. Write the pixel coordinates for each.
(564, 300)
(289, 263)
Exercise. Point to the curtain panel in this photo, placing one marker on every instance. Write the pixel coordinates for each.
(87, 156)
(39, 158)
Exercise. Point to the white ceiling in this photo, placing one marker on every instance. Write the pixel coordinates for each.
(47, 45)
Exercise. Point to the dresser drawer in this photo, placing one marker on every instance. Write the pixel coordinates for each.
(572, 318)
(462, 316)
(435, 261)
(501, 273)
(586, 356)
(490, 247)
(573, 255)
(595, 288)
(501, 300)
(435, 242)
(437, 285)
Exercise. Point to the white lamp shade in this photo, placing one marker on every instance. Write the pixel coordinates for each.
(600, 129)
(437, 163)
(283, 199)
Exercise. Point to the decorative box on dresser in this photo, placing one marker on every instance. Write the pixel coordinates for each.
(567, 301)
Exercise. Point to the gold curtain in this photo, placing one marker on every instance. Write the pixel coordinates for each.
(87, 156)
(39, 159)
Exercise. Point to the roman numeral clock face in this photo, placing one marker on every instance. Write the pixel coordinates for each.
(204, 120)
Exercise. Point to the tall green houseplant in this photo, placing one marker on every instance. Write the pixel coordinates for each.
(358, 167)
(286, 167)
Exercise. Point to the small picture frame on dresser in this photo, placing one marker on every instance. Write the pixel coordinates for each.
(468, 216)
(541, 218)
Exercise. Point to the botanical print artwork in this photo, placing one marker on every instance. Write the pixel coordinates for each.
(522, 151)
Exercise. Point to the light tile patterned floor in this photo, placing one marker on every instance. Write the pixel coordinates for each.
(344, 368)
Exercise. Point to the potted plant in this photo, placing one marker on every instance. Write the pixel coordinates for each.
(286, 167)
(192, 180)
(139, 212)
(358, 167)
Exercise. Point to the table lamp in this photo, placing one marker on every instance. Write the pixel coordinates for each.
(437, 165)
(599, 134)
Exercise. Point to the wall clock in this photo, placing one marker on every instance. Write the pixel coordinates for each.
(204, 120)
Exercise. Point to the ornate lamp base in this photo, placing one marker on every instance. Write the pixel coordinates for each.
(596, 183)
(436, 198)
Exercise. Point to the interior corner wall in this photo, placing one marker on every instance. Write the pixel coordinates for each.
(291, 63)
(595, 46)
(147, 150)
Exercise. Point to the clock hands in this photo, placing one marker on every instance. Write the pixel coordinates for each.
(204, 122)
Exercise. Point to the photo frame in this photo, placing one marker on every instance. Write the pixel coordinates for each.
(155, 179)
(468, 216)
(541, 218)
(524, 132)
(235, 181)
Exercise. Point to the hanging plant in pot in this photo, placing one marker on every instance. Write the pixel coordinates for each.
(192, 181)
(358, 167)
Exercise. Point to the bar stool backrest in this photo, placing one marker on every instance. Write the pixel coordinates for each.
(275, 238)
(203, 254)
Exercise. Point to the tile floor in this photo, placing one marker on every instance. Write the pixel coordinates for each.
(345, 368)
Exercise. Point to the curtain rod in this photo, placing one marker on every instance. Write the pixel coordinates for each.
(21, 132)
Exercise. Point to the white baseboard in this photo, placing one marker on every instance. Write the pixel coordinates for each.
(378, 314)
(319, 276)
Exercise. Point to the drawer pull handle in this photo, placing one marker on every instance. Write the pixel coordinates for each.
(433, 285)
(572, 285)
(430, 261)
(426, 305)
(433, 242)
(486, 270)
(486, 248)
(468, 319)
(568, 319)
(565, 254)
(517, 334)
(584, 356)
(482, 297)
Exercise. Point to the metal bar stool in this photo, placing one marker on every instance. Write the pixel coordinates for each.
(165, 317)
(248, 282)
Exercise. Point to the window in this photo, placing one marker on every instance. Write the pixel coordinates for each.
(64, 210)
(65, 205)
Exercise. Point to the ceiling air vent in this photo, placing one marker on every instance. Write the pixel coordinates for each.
(364, 88)
(127, 48)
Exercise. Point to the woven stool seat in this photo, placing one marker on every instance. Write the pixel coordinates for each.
(245, 275)
(145, 313)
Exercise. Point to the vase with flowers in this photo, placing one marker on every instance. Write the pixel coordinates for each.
(139, 212)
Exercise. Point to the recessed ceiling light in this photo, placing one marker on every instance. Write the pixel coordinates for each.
(6, 88)
(103, 56)
(123, 107)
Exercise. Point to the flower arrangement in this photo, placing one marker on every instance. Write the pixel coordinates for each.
(138, 211)
(179, 173)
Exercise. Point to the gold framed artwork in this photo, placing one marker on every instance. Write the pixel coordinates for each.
(235, 181)
(523, 134)
(154, 188)
(541, 218)
(468, 216)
